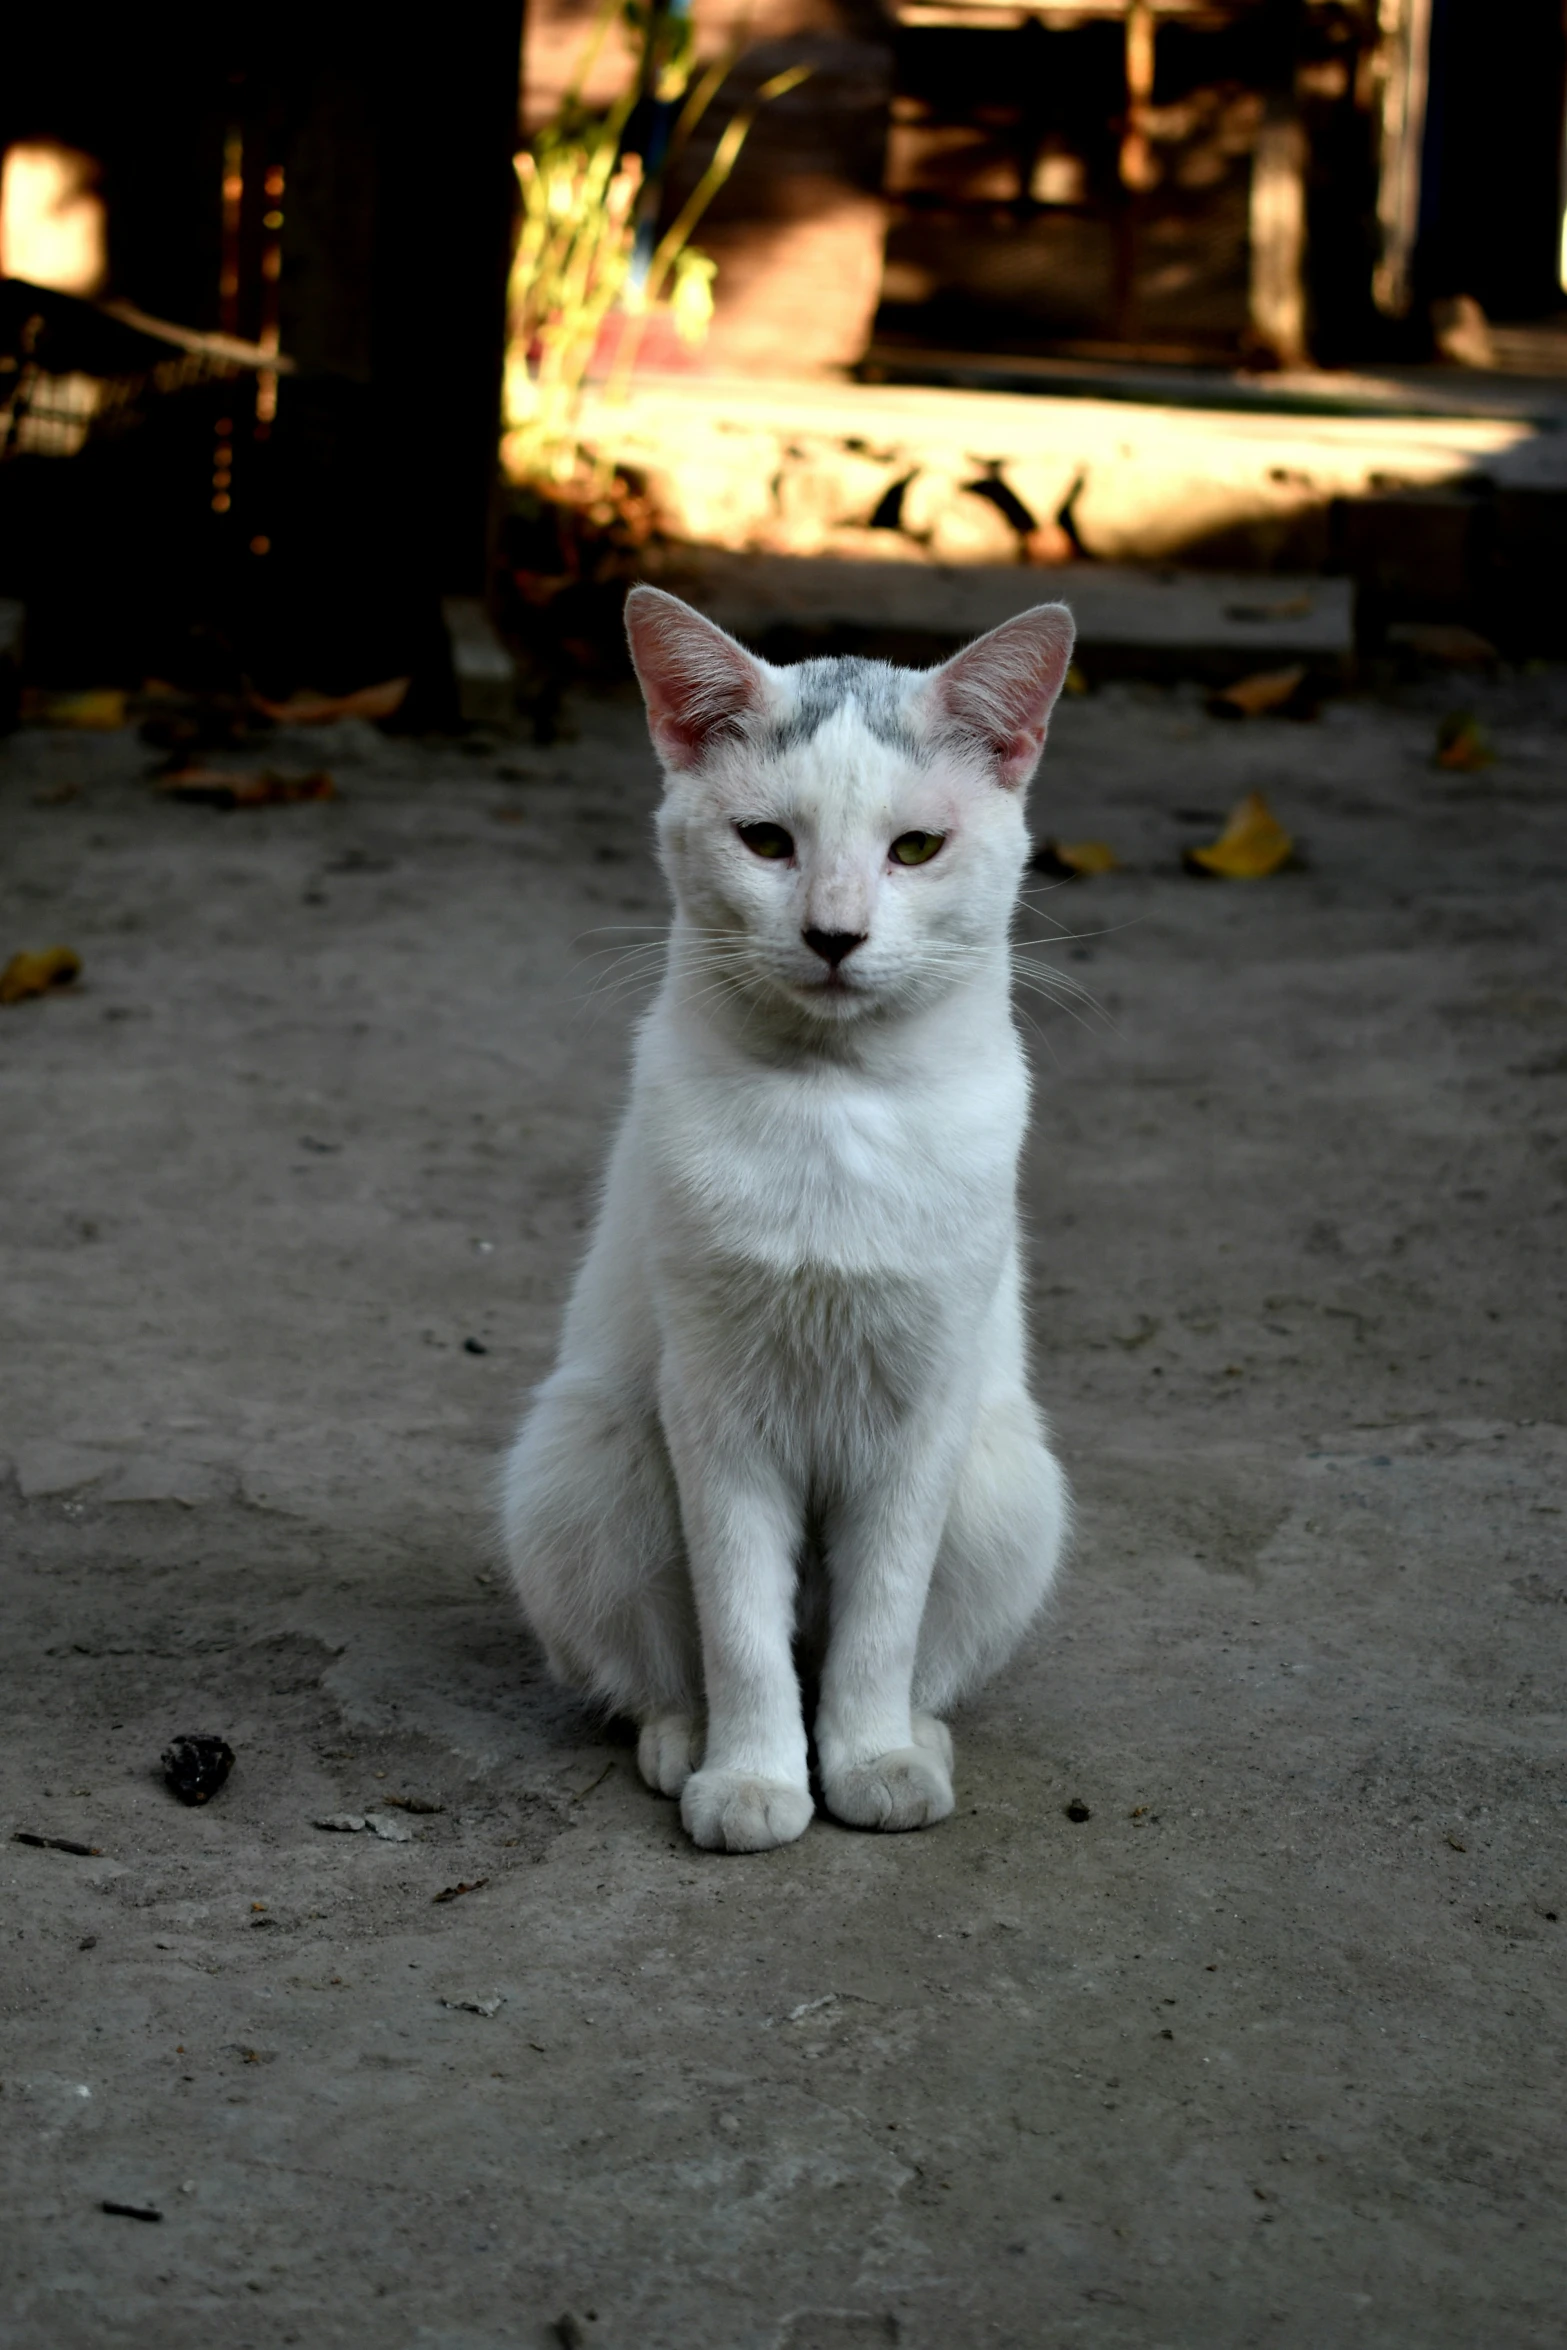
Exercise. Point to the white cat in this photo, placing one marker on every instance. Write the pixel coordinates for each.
(789, 1435)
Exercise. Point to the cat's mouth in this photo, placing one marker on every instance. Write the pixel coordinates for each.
(834, 989)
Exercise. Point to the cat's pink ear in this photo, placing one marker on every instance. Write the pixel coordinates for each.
(697, 682)
(998, 693)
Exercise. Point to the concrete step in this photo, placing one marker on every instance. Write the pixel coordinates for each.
(1209, 624)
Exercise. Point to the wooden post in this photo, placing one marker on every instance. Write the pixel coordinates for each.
(1405, 59)
(1137, 168)
(1278, 237)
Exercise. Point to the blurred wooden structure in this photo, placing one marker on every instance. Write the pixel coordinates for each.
(320, 187)
(1198, 182)
(1193, 180)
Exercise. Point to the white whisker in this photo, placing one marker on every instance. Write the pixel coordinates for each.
(1063, 982)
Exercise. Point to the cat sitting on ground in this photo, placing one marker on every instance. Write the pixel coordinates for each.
(788, 1445)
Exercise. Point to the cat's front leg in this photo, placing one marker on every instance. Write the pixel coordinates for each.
(742, 1526)
(882, 1764)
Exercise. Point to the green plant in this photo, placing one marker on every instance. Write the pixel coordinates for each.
(583, 193)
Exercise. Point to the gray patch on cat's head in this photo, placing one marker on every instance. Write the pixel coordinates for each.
(823, 686)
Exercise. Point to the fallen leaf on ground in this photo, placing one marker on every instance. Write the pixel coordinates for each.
(311, 709)
(1074, 860)
(1442, 640)
(1289, 608)
(1253, 844)
(100, 710)
(1254, 697)
(454, 1892)
(1462, 743)
(213, 787)
(28, 975)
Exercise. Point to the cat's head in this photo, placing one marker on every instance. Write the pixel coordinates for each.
(846, 836)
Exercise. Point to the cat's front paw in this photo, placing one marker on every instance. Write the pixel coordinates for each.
(910, 1787)
(730, 1811)
(669, 1746)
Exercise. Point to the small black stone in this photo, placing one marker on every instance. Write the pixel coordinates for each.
(196, 1768)
(474, 1346)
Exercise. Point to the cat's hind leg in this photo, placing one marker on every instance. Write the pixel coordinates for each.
(927, 1731)
(1007, 1526)
(592, 1531)
(669, 1749)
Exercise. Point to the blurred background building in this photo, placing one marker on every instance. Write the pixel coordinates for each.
(1178, 180)
(331, 195)
(253, 315)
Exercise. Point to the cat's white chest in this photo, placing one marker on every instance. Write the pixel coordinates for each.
(827, 1253)
(836, 1175)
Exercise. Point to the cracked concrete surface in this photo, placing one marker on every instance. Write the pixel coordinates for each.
(1267, 2048)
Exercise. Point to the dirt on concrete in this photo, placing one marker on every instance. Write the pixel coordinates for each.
(1228, 2009)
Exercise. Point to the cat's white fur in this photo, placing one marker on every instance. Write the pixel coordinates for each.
(789, 1432)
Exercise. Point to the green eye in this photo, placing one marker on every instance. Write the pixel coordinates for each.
(766, 840)
(915, 848)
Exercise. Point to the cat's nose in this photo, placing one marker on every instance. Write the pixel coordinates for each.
(833, 945)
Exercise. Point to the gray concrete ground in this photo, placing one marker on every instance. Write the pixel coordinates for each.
(1267, 2049)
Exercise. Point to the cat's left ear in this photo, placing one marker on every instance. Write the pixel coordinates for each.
(998, 693)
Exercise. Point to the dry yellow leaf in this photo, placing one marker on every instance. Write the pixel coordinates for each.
(1291, 608)
(1443, 640)
(312, 709)
(1254, 697)
(1462, 743)
(1253, 844)
(100, 710)
(27, 975)
(217, 787)
(1074, 860)
(1088, 856)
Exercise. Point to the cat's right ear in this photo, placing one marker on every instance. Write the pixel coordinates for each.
(698, 684)
(998, 693)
